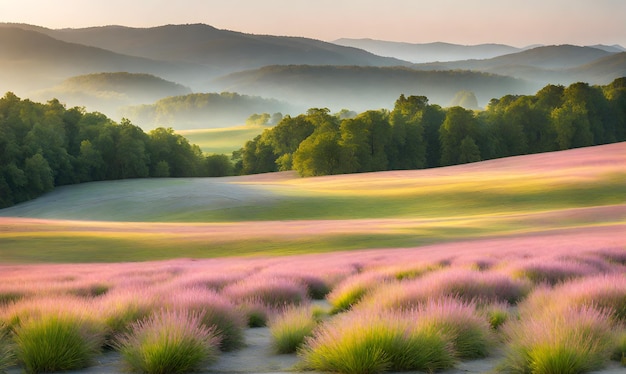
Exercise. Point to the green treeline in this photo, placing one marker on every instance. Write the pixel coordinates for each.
(47, 145)
(418, 135)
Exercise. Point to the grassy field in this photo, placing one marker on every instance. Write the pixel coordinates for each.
(275, 214)
(223, 140)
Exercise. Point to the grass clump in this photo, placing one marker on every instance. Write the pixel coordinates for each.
(169, 342)
(290, 328)
(574, 340)
(57, 342)
(352, 290)
(216, 310)
(619, 352)
(361, 342)
(274, 292)
(470, 334)
(7, 357)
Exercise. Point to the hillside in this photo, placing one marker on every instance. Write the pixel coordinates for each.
(562, 64)
(428, 52)
(362, 88)
(203, 110)
(223, 50)
(107, 92)
(30, 60)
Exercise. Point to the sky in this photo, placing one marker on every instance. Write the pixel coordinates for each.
(514, 22)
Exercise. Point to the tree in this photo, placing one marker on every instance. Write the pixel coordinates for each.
(468, 151)
(408, 147)
(218, 166)
(465, 99)
(459, 124)
(319, 154)
(365, 139)
(572, 126)
(38, 175)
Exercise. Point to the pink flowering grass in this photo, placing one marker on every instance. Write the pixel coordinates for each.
(57, 340)
(570, 340)
(15, 313)
(373, 342)
(290, 327)
(255, 310)
(551, 271)
(497, 314)
(467, 285)
(274, 292)
(606, 291)
(215, 310)
(353, 289)
(169, 342)
(126, 305)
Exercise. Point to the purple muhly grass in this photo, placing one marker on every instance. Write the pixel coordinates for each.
(290, 327)
(561, 340)
(614, 255)
(215, 310)
(354, 288)
(15, 313)
(207, 280)
(55, 334)
(465, 284)
(468, 330)
(605, 291)
(169, 342)
(274, 292)
(126, 305)
(7, 357)
(374, 341)
(551, 271)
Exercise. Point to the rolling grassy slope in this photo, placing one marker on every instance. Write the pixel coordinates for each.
(283, 214)
(222, 140)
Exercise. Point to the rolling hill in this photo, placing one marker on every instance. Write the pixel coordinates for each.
(107, 92)
(563, 64)
(361, 88)
(30, 60)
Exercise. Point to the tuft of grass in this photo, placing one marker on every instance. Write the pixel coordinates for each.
(497, 314)
(57, 342)
(216, 310)
(7, 357)
(470, 334)
(169, 342)
(121, 308)
(358, 342)
(256, 312)
(619, 352)
(572, 340)
(551, 272)
(274, 292)
(290, 327)
(352, 289)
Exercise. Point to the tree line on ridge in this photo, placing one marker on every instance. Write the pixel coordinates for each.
(48, 145)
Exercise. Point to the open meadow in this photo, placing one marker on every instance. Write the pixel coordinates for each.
(222, 140)
(511, 265)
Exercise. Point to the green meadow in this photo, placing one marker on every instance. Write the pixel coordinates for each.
(279, 214)
(222, 140)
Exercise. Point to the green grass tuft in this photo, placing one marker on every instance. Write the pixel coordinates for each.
(169, 342)
(7, 357)
(57, 342)
(372, 343)
(290, 328)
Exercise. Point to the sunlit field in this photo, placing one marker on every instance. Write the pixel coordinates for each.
(222, 140)
(277, 214)
(515, 265)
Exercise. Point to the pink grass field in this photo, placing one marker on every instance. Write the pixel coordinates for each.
(577, 267)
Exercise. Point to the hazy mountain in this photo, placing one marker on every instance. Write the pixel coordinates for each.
(428, 52)
(30, 60)
(615, 48)
(561, 64)
(223, 50)
(362, 88)
(107, 92)
(203, 110)
(602, 71)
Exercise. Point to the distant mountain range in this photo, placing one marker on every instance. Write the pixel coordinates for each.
(351, 73)
(438, 51)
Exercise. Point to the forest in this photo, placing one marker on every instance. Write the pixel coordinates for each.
(48, 145)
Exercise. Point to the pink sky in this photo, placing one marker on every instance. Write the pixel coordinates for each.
(518, 23)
